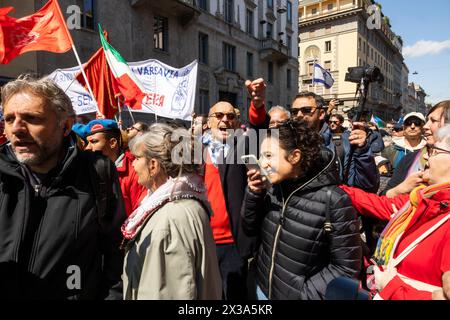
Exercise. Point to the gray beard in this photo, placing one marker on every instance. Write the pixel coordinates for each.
(38, 158)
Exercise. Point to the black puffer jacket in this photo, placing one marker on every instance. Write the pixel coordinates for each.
(297, 258)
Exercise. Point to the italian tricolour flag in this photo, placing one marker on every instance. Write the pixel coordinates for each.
(128, 84)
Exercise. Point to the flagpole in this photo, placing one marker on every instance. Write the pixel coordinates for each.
(120, 113)
(77, 57)
(314, 75)
(85, 78)
(131, 115)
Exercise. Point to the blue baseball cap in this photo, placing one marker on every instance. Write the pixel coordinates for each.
(80, 130)
(100, 125)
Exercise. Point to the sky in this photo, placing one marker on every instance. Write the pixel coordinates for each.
(425, 29)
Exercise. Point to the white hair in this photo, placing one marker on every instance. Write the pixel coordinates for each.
(280, 108)
(444, 135)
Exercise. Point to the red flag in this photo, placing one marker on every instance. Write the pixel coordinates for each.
(44, 30)
(103, 86)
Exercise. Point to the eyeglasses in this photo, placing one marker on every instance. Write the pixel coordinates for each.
(334, 122)
(131, 128)
(417, 123)
(220, 115)
(434, 151)
(306, 111)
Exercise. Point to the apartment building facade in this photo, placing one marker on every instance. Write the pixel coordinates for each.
(335, 34)
(233, 40)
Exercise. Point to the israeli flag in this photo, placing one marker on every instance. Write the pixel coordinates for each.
(322, 76)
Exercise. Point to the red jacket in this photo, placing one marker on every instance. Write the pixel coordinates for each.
(431, 258)
(3, 138)
(132, 192)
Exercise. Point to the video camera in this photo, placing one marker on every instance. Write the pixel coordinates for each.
(370, 74)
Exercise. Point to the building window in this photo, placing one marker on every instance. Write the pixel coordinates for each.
(310, 68)
(288, 78)
(327, 46)
(269, 30)
(270, 4)
(203, 56)
(330, 7)
(270, 72)
(289, 11)
(204, 101)
(249, 23)
(327, 65)
(250, 65)
(87, 19)
(314, 11)
(229, 6)
(203, 4)
(160, 33)
(289, 44)
(229, 57)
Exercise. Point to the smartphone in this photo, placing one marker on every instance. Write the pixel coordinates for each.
(252, 163)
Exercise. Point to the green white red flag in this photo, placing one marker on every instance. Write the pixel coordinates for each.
(127, 82)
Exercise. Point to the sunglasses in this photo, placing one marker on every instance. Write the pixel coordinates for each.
(433, 151)
(220, 115)
(334, 122)
(306, 111)
(417, 123)
(131, 128)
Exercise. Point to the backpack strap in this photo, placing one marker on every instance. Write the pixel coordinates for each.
(99, 167)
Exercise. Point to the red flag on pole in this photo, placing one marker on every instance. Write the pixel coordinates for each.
(44, 30)
(103, 86)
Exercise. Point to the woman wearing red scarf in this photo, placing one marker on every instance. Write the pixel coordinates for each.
(413, 252)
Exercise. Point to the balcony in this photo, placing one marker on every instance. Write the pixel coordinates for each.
(184, 10)
(274, 51)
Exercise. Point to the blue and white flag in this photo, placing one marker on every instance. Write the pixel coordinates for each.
(322, 76)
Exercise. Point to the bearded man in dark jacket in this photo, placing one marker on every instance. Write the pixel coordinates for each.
(60, 208)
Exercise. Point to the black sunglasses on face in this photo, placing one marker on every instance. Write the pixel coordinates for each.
(220, 115)
(334, 122)
(306, 111)
(417, 123)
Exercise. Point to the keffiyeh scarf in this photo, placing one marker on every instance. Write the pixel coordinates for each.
(183, 187)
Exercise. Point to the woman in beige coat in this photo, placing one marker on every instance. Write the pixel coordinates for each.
(170, 251)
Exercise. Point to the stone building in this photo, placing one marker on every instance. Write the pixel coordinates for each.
(233, 40)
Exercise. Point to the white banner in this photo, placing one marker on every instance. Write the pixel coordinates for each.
(81, 99)
(170, 91)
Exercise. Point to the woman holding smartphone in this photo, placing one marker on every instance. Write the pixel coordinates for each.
(308, 229)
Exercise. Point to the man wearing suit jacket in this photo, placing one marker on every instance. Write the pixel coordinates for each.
(225, 181)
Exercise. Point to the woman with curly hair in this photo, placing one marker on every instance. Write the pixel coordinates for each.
(307, 227)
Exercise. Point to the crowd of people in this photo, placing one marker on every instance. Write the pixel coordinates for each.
(90, 211)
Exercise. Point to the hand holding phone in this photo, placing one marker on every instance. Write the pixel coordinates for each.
(252, 163)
